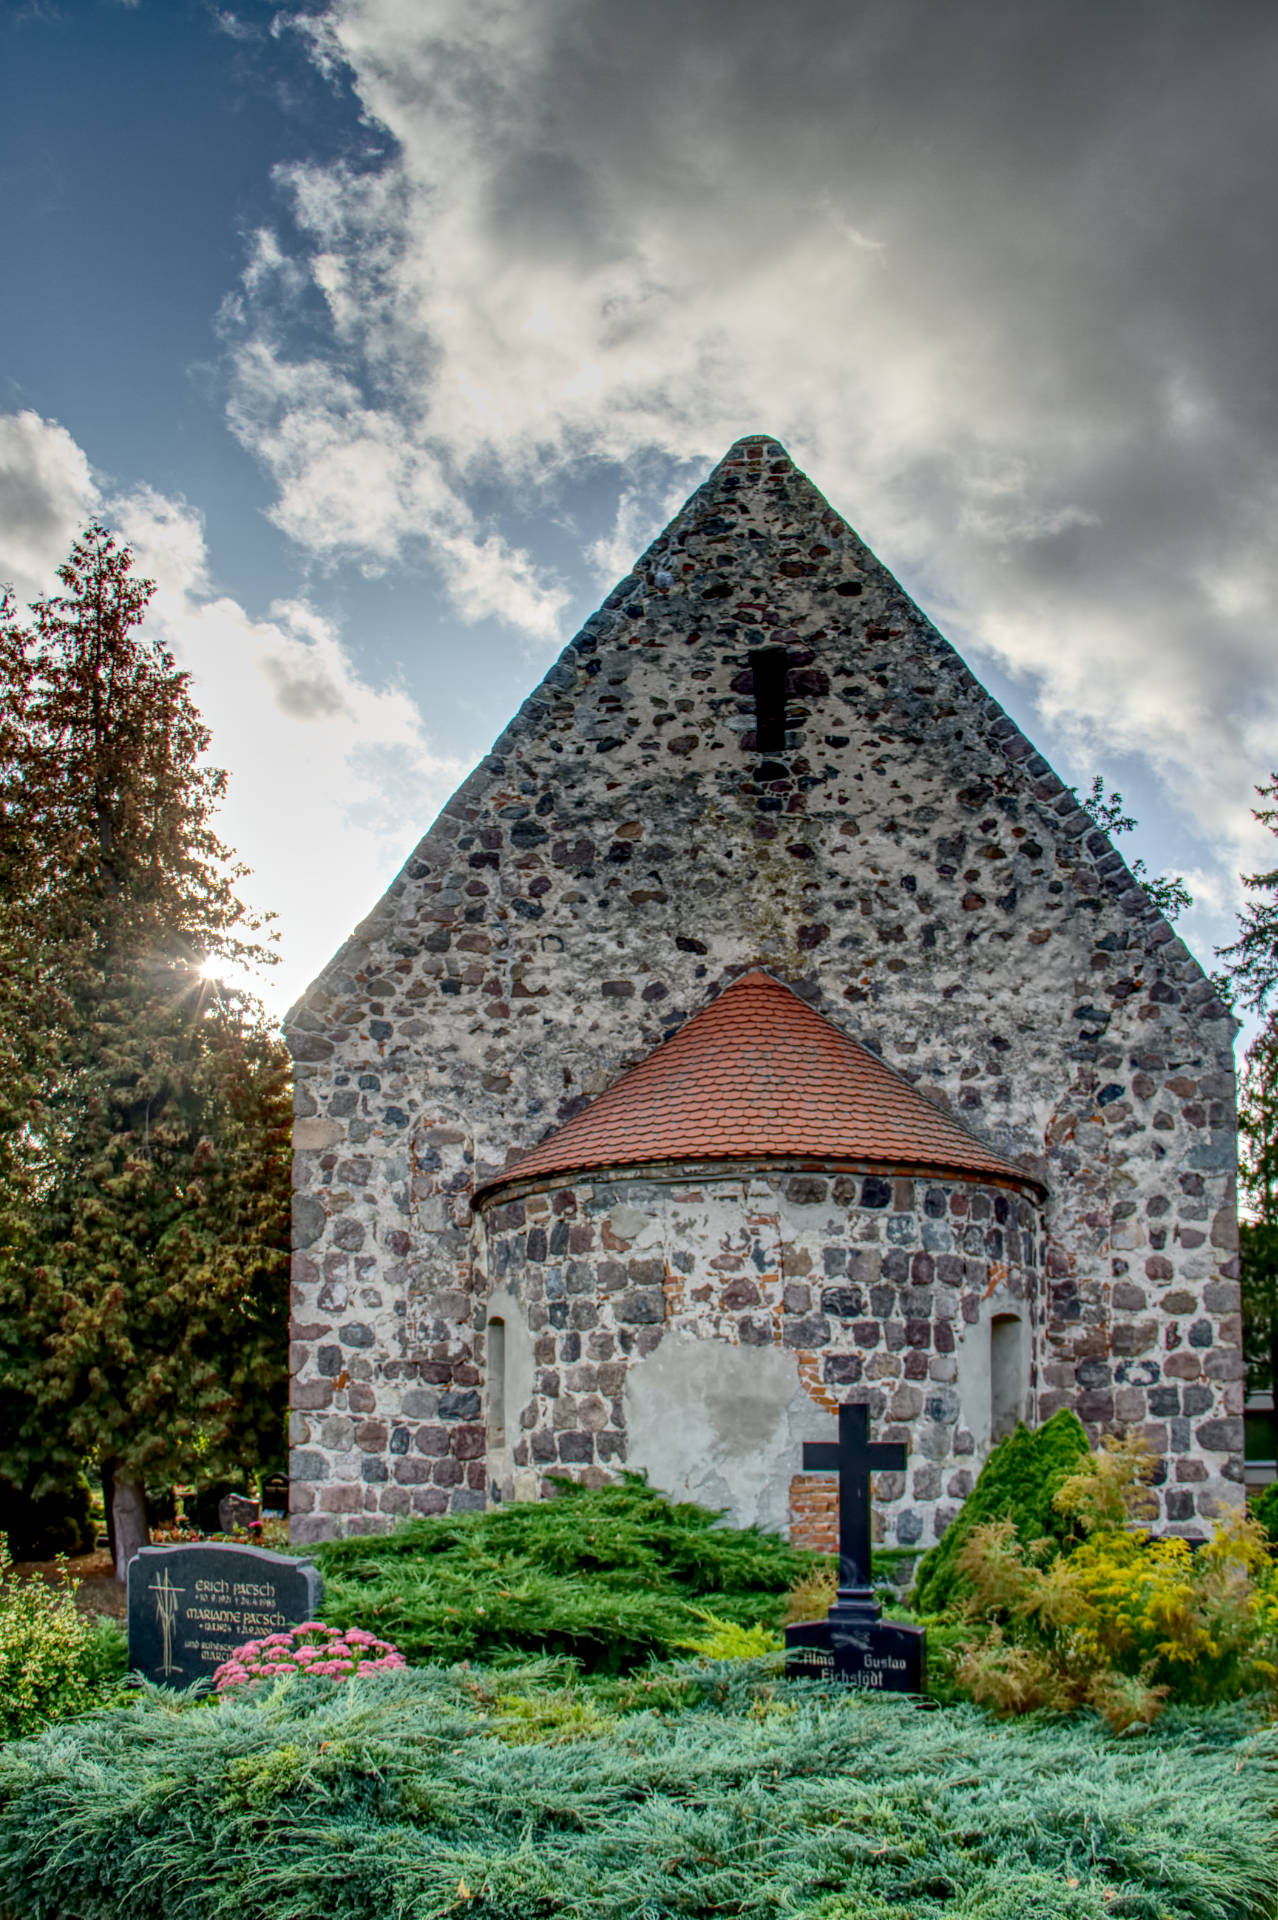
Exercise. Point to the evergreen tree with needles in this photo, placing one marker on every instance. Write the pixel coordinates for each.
(1253, 967)
(1258, 1235)
(144, 1122)
(1254, 955)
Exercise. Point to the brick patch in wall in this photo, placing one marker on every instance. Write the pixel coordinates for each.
(810, 1374)
(814, 1512)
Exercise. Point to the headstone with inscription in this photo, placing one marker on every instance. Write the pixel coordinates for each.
(854, 1643)
(191, 1606)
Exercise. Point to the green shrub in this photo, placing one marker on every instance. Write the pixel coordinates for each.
(1019, 1483)
(54, 1663)
(515, 1796)
(1113, 1619)
(1265, 1511)
(610, 1577)
(106, 1658)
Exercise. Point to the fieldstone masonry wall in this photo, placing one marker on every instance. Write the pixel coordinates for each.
(910, 866)
(869, 1286)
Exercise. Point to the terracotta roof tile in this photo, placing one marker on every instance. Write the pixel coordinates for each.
(758, 1074)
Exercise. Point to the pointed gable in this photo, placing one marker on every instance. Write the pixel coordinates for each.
(757, 1074)
(827, 651)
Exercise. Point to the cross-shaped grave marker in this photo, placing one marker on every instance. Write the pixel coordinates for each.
(854, 1643)
(854, 1457)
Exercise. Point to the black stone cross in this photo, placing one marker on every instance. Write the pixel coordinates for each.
(854, 1458)
(853, 1644)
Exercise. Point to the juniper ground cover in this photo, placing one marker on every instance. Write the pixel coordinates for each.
(612, 1576)
(514, 1796)
(604, 1787)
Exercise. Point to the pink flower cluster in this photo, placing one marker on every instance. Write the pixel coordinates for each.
(310, 1648)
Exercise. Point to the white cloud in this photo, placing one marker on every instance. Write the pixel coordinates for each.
(487, 577)
(332, 778)
(168, 538)
(46, 491)
(224, 21)
(354, 478)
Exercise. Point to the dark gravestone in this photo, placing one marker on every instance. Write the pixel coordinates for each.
(275, 1493)
(190, 1607)
(236, 1510)
(854, 1643)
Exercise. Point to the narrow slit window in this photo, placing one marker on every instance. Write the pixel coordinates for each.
(768, 665)
(496, 1383)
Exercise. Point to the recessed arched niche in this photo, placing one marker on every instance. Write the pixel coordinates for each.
(496, 1382)
(1009, 1374)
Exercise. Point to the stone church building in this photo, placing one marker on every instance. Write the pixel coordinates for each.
(762, 1025)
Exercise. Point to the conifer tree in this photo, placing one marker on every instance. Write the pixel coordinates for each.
(1258, 1177)
(1254, 955)
(1254, 974)
(144, 1121)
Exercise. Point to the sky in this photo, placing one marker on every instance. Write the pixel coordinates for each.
(388, 332)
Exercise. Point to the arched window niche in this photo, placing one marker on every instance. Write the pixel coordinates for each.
(1009, 1374)
(496, 1382)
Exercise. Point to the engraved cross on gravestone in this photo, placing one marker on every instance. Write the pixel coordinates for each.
(191, 1606)
(854, 1643)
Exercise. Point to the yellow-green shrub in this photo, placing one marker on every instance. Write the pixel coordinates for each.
(1119, 1622)
(726, 1640)
(813, 1594)
(50, 1658)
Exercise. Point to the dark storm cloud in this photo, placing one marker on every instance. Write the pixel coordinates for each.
(544, 203)
(1003, 275)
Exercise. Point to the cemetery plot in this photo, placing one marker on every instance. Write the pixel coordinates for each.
(191, 1606)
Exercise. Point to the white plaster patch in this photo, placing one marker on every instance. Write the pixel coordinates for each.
(628, 1223)
(721, 1425)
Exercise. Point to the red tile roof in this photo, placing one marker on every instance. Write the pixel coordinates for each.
(759, 1075)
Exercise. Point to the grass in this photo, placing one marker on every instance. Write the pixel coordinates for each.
(521, 1795)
